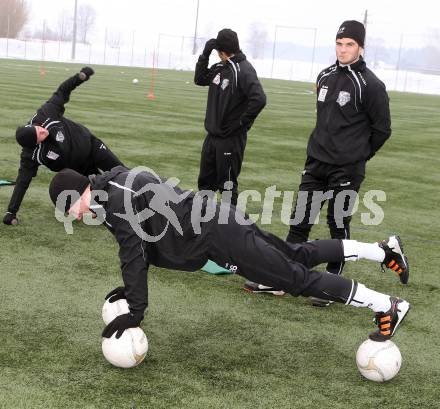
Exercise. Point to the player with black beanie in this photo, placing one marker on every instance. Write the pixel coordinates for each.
(155, 222)
(235, 98)
(352, 123)
(52, 140)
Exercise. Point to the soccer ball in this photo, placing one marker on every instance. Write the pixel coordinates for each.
(127, 351)
(135, 81)
(110, 310)
(378, 361)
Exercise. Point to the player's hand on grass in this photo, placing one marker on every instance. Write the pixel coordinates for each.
(10, 219)
(121, 323)
(209, 46)
(116, 294)
(86, 73)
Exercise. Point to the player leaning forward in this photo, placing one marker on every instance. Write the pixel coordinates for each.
(57, 142)
(155, 222)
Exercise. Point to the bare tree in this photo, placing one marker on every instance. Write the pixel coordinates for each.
(13, 16)
(433, 50)
(86, 20)
(45, 33)
(64, 26)
(257, 39)
(376, 51)
(114, 39)
(434, 36)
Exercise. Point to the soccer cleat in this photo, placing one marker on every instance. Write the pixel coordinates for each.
(390, 320)
(394, 257)
(255, 288)
(320, 302)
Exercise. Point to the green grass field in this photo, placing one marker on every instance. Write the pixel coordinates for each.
(211, 344)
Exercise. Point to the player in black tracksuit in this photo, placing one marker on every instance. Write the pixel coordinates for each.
(155, 222)
(352, 123)
(347, 134)
(66, 144)
(235, 98)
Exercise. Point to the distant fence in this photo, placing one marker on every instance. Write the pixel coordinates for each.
(175, 52)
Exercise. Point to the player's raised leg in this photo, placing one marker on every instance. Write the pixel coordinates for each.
(388, 252)
(260, 257)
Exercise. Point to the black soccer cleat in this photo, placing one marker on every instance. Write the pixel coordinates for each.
(320, 302)
(389, 321)
(256, 288)
(394, 257)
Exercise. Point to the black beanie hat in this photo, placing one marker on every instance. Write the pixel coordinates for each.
(67, 179)
(26, 136)
(227, 41)
(352, 29)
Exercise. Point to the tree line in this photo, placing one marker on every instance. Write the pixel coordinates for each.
(15, 14)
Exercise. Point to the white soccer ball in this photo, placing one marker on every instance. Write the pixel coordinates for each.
(135, 81)
(127, 351)
(110, 310)
(378, 361)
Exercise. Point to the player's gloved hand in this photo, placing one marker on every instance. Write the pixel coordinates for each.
(86, 73)
(121, 323)
(116, 294)
(209, 46)
(10, 219)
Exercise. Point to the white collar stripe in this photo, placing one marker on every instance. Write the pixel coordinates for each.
(38, 154)
(51, 123)
(358, 82)
(326, 74)
(44, 123)
(235, 71)
(120, 186)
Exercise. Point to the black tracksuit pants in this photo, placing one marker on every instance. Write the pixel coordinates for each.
(220, 163)
(264, 258)
(101, 158)
(336, 182)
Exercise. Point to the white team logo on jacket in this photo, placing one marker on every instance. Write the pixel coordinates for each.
(225, 83)
(216, 79)
(59, 137)
(343, 98)
(52, 155)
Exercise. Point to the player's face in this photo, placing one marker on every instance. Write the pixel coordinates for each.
(224, 56)
(41, 133)
(348, 51)
(82, 205)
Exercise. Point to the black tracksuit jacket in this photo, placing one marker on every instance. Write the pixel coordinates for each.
(353, 115)
(235, 96)
(68, 145)
(186, 251)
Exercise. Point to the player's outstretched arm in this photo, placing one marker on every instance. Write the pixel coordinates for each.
(203, 74)
(26, 172)
(54, 107)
